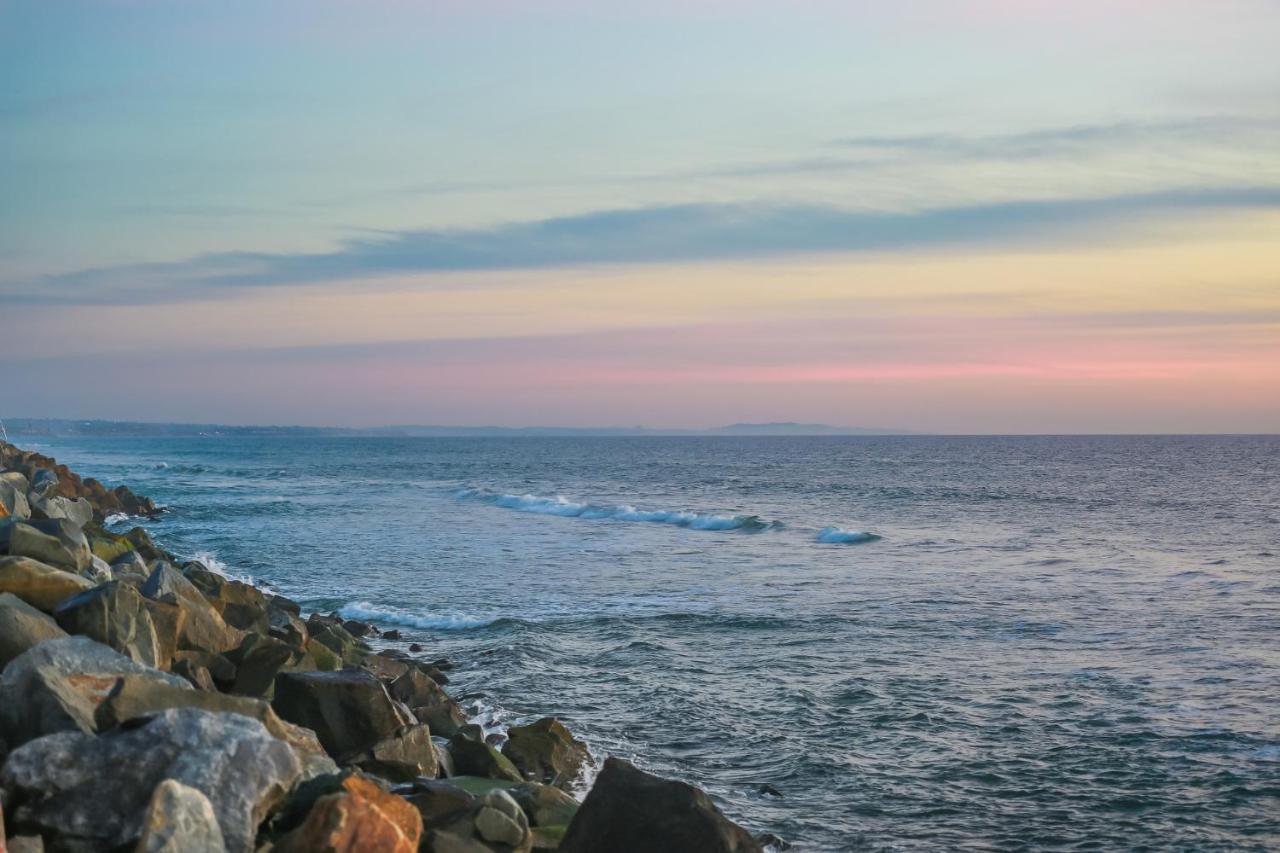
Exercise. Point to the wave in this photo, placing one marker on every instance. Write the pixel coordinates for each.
(840, 536)
(561, 506)
(213, 564)
(365, 611)
(115, 518)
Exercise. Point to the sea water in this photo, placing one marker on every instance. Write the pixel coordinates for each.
(918, 642)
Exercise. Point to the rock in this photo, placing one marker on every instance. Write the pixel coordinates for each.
(39, 584)
(349, 710)
(439, 802)
(99, 570)
(129, 563)
(179, 819)
(258, 660)
(545, 751)
(201, 626)
(501, 821)
(78, 511)
(58, 685)
(199, 677)
(385, 668)
(111, 547)
(338, 640)
(393, 634)
(322, 656)
(357, 628)
(630, 811)
(474, 758)
(359, 816)
(95, 791)
(545, 805)
(285, 626)
(57, 542)
(44, 483)
(22, 627)
(769, 790)
(415, 647)
(405, 755)
(136, 696)
(13, 498)
(222, 670)
(169, 620)
(113, 614)
(240, 605)
(430, 703)
(769, 841)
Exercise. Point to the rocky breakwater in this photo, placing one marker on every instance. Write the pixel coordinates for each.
(150, 704)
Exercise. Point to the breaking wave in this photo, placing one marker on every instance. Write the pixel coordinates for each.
(561, 506)
(365, 611)
(840, 536)
(213, 564)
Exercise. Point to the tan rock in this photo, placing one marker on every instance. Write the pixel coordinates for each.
(39, 584)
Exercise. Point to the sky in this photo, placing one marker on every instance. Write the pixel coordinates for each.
(996, 216)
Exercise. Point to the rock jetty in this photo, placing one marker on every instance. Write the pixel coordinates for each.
(150, 704)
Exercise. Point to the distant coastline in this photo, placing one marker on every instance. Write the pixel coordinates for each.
(92, 427)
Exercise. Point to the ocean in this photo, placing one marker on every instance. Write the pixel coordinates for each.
(917, 642)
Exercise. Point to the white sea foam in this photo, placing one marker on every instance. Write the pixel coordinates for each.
(561, 506)
(394, 616)
(115, 518)
(840, 536)
(213, 564)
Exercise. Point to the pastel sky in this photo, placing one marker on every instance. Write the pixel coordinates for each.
(937, 215)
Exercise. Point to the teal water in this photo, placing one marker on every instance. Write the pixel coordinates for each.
(1054, 643)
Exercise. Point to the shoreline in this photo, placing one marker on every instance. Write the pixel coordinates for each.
(117, 653)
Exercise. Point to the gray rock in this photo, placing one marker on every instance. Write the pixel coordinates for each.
(70, 535)
(130, 563)
(349, 710)
(402, 757)
(27, 541)
(113, 614)
(78, 511)
(22, 627)
(44, 483)
(495, 826)
(14, 498)
(179, 819)
(630, 811)
(58, 685)
(202, 627)
(429, 701)
(97, 790)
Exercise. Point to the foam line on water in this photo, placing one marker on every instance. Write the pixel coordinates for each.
(840, 536)
(365, 611)
(565, 508)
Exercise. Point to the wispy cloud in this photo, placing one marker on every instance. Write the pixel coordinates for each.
(664, 234)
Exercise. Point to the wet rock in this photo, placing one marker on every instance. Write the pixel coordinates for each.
(415, 647)
(356, 628)
(405, 755)
(179, 819)
(769, 790)
(630, 811)
(39, 584)
(430, 703)
(545, 751)
(58, 785)
(113, 614)
(769, 841)
(22, 627)
(393, 634)
(349, 710)
(474, 758)
(59, 684)
(357, 815)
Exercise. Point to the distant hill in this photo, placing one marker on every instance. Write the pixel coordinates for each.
(66, 427)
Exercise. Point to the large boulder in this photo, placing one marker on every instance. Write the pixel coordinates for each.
(59, 684)
(352, 814)
(258, 660)
(95, 791)
(202, 627)
(406, 755)
(115, 615)
(22, 627)
(39, 584)
(57, 542)
(78, 510)
(429, 702)
(630, 811)
(13, 495)
(546, 806)
(477, 758)
(179, 819)
(135, 696)
(546, 751)
(240, 605)
(494, 822)
(351, 650)
(349, 710)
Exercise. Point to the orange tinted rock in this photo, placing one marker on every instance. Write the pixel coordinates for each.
(360, 817)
